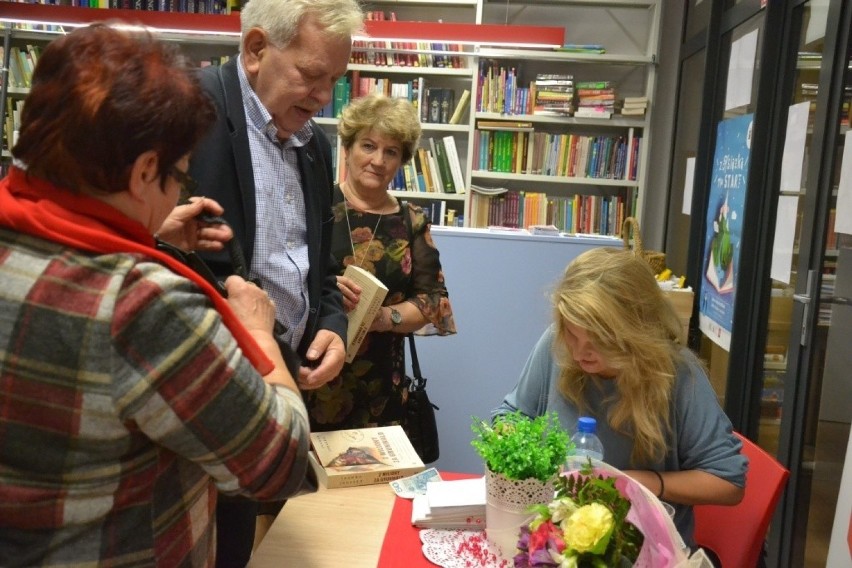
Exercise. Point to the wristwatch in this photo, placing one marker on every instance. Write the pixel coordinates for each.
(395, 317)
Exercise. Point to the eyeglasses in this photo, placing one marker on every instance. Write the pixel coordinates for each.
(188, 186)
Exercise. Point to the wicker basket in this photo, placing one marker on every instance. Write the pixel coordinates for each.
(656, 259)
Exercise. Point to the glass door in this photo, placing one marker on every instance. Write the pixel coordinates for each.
(806, 395)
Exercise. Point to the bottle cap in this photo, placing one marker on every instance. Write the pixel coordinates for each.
(587, 424)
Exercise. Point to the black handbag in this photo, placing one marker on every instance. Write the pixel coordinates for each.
(420, 424)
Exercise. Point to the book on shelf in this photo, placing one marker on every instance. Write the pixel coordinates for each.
(592, 112)
(593, 85)
(582, 48)
(455, 163)
(458, 504)
(503, 125)
(461, 106)
(635, 101)
(552, 230)
(439, 152)
(362, 456)
(373, 293)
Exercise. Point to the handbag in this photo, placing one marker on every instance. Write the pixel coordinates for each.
(419, 423)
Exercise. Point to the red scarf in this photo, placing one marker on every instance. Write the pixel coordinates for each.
(36, 207)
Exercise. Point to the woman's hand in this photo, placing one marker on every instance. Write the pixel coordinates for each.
(183, 229)
(351, 292)
(256, 311)
(254, 308)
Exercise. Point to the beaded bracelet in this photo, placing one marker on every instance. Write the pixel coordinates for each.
(662, 485)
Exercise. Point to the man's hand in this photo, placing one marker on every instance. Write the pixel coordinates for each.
(183, 229)
(329, 351)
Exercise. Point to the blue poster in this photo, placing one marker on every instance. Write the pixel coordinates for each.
(724, 228)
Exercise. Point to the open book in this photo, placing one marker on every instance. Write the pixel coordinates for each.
(373, 293)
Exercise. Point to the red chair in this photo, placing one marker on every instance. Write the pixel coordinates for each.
(736, 533)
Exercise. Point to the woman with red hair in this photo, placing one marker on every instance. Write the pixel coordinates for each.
(131, 389)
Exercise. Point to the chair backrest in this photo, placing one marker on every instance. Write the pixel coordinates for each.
(736, 533)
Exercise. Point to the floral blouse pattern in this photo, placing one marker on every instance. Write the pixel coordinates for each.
(372, 389)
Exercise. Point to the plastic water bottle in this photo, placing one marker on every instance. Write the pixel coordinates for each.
(586, 441)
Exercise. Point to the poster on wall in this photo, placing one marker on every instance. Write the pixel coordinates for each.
(724, 228)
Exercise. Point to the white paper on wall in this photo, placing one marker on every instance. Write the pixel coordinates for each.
(843, 218)
(688, 182)
(741, 71)
(794, 148)
(785, 231)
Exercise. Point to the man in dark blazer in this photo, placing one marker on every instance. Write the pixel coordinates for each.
(269, 165)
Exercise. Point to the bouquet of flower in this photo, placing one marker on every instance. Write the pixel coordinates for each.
(585, 525)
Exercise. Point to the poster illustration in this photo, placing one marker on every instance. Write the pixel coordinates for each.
(724, 228)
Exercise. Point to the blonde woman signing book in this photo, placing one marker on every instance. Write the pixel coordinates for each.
(374, 231)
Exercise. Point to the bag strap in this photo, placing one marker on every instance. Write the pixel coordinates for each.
(419, 381)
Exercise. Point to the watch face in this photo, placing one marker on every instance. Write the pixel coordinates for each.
(396, 317)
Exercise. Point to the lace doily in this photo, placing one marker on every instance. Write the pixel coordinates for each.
(515, 495)
(460, 549)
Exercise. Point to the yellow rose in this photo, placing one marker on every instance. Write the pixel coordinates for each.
(589, 529)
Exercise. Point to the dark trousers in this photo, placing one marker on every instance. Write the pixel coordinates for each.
(235, 522)
(235, 526)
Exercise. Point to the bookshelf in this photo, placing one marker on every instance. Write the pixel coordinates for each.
(480, 34)
(607, 45)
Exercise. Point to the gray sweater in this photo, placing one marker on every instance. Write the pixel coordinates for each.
(701, 438)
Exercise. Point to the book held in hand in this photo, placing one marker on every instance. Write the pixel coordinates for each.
(363, 456)
(373, 293)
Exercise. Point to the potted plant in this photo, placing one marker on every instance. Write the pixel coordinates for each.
(523, 456)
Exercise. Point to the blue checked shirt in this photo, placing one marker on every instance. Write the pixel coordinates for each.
(280, 256)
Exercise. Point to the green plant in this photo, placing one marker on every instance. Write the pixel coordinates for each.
(520, 447)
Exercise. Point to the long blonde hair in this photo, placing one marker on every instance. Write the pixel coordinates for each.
(613, 296)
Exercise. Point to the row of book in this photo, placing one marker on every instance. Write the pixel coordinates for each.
(408, 54)
(521, 150)
(433, 169)
(12, 121)
(22, 61)
(443, 213)
(436, 105)
(583, 214)
(501, 91)
(185, 6)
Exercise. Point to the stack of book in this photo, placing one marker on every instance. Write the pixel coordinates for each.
(553, 95)
(595, 99)
(456, 504)
(634, 106)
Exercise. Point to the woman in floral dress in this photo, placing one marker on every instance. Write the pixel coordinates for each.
(379, 135)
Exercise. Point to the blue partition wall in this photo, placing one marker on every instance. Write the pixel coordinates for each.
(499, 286)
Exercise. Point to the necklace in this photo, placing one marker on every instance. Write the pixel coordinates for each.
(349, 228)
